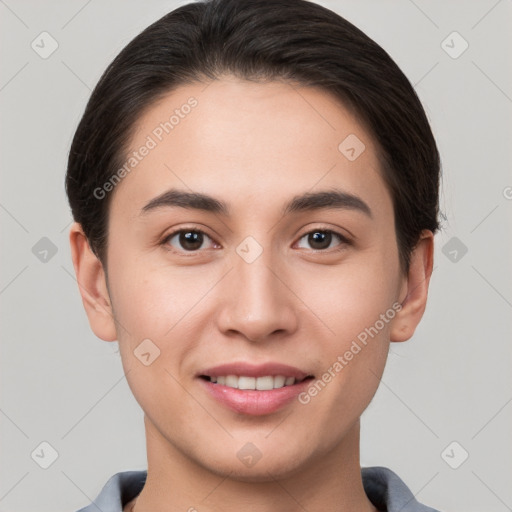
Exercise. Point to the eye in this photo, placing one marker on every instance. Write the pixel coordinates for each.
(321, 239)
(190, 240)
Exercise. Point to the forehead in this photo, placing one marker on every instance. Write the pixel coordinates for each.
(255, 143)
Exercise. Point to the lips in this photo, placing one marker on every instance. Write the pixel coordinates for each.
(253, 389)
(249, 370)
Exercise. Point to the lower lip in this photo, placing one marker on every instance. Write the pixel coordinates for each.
(254, 402)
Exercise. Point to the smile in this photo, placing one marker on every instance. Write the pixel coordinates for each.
(264, 383)
(253, 389)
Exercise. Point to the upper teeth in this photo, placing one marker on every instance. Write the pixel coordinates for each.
(261, 383)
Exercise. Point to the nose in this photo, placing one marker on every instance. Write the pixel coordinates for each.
(260, 305)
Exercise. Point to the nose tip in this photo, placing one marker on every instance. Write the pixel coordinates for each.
(260, 305)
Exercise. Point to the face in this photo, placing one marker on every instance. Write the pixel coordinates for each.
(258, 287)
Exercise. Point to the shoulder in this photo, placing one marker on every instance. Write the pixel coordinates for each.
(119, 490)
(385, 489)
(388, 492)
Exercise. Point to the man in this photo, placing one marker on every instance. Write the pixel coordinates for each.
(255, 190)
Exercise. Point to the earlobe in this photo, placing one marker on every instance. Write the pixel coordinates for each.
(414, 292)
(92, 285)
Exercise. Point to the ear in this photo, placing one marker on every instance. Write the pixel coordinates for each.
(414, 291)
(92, 285)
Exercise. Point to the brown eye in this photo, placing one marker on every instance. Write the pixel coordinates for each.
(186, 240)
(321, 239)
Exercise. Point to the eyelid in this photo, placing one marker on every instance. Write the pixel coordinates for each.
(172, 234)
(336, 231)
(345, 240)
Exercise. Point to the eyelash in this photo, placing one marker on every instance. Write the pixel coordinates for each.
(343, 239)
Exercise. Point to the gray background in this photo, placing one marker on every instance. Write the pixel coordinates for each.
(451, 382)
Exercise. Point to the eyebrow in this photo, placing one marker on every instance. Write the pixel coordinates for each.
(322, 200)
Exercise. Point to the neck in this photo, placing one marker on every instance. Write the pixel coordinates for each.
(176, 483)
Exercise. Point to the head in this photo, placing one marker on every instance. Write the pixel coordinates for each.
(255, 127)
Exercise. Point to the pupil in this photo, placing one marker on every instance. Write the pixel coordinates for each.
(320, 237)
(191, 240)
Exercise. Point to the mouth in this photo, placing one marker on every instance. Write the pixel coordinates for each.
(254, 390)
(264, 383)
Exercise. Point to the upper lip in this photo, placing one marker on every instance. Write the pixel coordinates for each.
(252, 370)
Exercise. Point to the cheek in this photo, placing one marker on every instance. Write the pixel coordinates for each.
(355, 301)
(169, 306)
(152, 300)
(153, 310)
(350, 297)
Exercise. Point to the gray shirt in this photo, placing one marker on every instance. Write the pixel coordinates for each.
(383, 487)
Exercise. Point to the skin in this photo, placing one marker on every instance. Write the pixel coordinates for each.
(254, 146)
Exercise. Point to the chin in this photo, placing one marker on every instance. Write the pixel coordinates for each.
(278, 466)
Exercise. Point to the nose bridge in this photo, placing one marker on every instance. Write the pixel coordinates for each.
(257, 282)
(260, 303)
